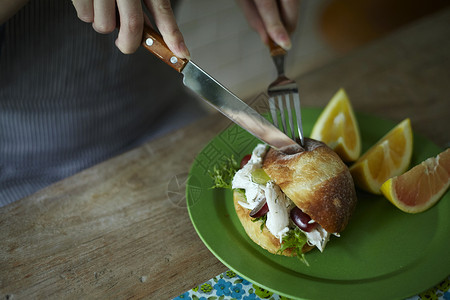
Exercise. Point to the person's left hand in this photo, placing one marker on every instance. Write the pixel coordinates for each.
(272, 18)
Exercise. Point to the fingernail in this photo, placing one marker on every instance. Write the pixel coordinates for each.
(283, 39)
(285, 42)
(286, 46)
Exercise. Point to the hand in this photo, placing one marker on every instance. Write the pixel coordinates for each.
(128, 15)
(272, 18)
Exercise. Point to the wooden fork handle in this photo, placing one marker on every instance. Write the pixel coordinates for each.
(275, 49)
(153, 42)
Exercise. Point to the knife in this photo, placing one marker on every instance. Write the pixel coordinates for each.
(216, 94)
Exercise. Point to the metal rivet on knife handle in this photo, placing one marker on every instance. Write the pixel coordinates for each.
(153, 42)
(149, 42)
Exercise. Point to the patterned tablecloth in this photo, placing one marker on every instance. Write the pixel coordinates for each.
(229, 285)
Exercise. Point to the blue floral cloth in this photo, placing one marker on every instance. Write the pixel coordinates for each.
(229, 285)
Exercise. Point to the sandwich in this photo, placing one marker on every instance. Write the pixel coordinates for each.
(292, 201)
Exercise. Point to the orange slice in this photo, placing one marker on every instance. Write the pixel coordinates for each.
(337, 127)
(389, 157)
(421, 187)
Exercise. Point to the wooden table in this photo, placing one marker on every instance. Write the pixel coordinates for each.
(121, 229)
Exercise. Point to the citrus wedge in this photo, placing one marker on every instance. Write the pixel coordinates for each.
(337, 127)
(421, 187)
(389, 157)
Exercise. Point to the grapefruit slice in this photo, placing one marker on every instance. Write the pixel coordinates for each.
(421, 187)
(389, 157)
(337, 127)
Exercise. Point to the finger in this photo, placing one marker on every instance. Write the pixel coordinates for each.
(131, 25)
(254, 19)
(268, 10)
(85, 10)
(289, 11)
(147, 21)
(104, 16)
(167, 26)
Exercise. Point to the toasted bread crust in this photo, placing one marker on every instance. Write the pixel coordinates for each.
(317, 181)
(253, 229)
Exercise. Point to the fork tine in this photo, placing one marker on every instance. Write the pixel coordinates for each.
(285, 90)
(273, 111)
(290, 119)
(283, 116)
(298, 114)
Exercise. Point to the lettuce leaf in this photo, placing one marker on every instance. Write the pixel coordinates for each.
(295, 239)
(223, 174)
(263, 220)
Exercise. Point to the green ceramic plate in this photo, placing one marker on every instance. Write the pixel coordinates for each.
(382, 254)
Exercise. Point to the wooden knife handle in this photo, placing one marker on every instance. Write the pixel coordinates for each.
(153, 42)
(275, 49)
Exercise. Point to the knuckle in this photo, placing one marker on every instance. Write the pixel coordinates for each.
(85, 17)
(127, 50)
(126, 47)
(164, 6)
(84, 13)
(104, 27)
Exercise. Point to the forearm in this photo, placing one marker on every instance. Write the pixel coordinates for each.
(9, 8)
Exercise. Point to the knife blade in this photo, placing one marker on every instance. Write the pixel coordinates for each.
(216, 94)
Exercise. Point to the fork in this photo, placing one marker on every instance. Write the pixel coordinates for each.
(285, 91)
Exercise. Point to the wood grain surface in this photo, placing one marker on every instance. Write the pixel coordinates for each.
(121, 229)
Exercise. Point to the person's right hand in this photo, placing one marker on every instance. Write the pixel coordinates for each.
(106, 15)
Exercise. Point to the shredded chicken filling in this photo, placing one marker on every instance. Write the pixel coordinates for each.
(278, 221)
